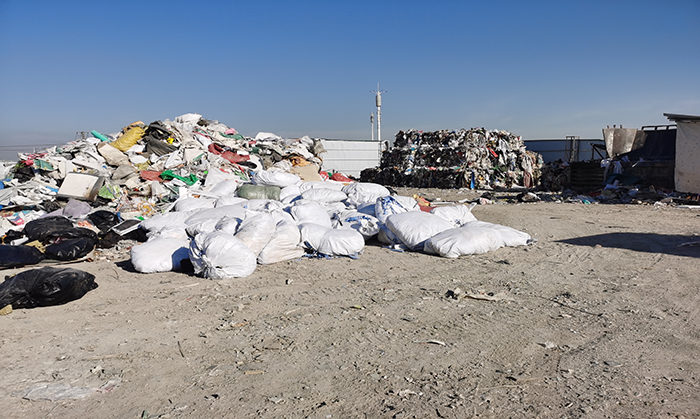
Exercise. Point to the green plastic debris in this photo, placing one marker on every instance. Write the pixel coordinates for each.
(189, 180)
(110, 192)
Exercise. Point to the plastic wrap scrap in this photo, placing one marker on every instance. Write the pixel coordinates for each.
(475, 158)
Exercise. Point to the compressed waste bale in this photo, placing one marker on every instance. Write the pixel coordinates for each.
(45, 287)
(219, 255)
(40, 229)
(256, 231)
(250, 191)
(341, 242)
(474, 238)
(16, 256)
(283, 245)
(160, 255)
(476, 158)
(360, 193)
(415, 227)
(458, 215)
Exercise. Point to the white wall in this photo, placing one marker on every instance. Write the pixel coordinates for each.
(350, 157)
(687, 175)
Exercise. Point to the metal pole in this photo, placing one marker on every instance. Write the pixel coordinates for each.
(378, 99)
(371, 121)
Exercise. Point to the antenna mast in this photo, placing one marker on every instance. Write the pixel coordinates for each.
(378, 101)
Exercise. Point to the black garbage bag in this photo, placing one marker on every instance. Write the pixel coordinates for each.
(104, 220)
(70, 249)
(110, 239)
(45, 287)
(16, 256)
(11, 235)
(40, 229)
(72, 233)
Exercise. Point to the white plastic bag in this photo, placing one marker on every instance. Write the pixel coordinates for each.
(256, 231)
(169, 219)
(283, 245)
(159, 255)
(310, 212)
(415, 227)
(289, 192)
(341, 242)
(216, 214)
(230, 200)
(364, 224)
(458, 215)
(225, 187)
(324, 195)
(311, 235)
(474, 238)
(359, 193)
(193, 204)
(275, 178)
(388, 205)
(220, 255)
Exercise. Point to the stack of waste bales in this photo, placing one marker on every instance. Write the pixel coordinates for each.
(475, 158)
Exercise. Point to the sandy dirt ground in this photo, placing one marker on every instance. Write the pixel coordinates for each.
(598, 319)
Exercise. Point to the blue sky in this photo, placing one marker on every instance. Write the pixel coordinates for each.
(540, 69)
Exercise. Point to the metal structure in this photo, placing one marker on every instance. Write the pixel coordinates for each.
(371, 122)
(378, 101)
(572, 147)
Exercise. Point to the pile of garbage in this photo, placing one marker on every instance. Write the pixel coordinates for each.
(475, 159)
(194, 194)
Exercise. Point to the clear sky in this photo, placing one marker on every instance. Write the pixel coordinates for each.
(540, 69)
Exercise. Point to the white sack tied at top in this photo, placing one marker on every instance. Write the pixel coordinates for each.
(310, 212)
(219, 255)
(283, 245)
(256, 231)
(331, 241)
(159, 255)
(324, 195)
(275, 178)
(359, 192)
(415, 227)
(474, 238)
(458, 215)
(364, 224)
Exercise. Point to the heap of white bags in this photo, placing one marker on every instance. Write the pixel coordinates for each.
(227, 236)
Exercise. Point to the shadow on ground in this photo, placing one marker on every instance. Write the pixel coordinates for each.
(671, 244)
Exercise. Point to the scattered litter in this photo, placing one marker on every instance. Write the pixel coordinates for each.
(62, 391)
